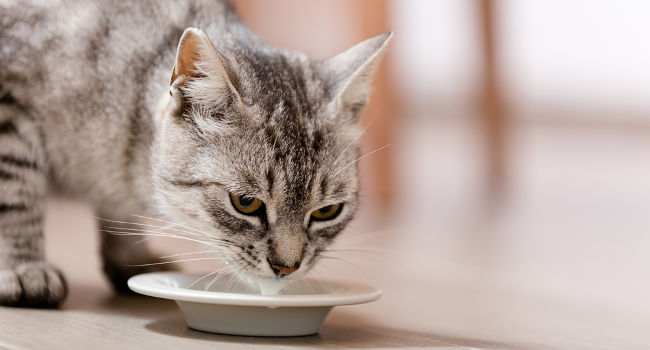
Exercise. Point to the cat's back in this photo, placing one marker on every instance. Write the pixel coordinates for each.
(58, 49)
(91, 73)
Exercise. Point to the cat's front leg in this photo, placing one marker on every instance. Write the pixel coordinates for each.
(125, 253)
(26, 279)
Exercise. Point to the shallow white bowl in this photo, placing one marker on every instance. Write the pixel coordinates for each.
(220, 307)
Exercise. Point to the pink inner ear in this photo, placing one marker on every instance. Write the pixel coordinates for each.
(188, 55)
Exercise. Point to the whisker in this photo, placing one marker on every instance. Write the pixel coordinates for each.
(140, 241)
(147, 225)
(363, 236)
(175, 261)
(206, 238)
(190, 253)
(162, 228)
(322, 269)
(358, 159)
(122, 233)
(355, 140)
(357, 251)
(238, 283)
(233, 277)
(344, 261)
(320, 280)
(130, 223)
(172, 223)
(137, 232)
(218, 277)
(210, 274)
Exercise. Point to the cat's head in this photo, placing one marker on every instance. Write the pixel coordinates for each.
(257, 149)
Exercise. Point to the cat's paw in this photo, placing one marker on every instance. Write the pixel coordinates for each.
(32, 284)
(118, 273)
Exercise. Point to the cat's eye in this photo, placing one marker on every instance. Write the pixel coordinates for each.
(245, 204)
(329, 212)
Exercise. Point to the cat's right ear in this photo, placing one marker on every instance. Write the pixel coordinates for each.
(349, 74)
(200, 73)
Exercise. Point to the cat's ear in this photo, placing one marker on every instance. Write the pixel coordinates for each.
(200, 72)
(349, 74)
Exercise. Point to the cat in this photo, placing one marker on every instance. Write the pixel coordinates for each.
(172, 109)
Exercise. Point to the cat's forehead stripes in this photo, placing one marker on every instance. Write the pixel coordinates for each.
(281, 85)
(297, 163)
(270, 180)
(288, 100)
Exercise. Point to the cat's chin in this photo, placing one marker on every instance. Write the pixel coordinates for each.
(266, 286)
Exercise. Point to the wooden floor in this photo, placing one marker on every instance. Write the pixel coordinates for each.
(560, 262)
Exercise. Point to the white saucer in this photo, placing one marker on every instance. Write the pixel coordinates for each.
(298, 310)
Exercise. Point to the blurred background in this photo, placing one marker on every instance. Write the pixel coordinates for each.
(518, 128)
(520, 140)
(513, 203)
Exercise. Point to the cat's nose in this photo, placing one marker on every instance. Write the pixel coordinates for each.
(282, 270)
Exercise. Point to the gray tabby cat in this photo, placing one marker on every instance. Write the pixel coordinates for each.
(247, 146)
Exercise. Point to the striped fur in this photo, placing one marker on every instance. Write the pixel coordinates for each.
(87, 109)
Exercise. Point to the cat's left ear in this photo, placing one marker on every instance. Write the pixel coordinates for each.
(200, 72)
(349, 74)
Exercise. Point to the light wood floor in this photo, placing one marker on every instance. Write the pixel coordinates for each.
(560, 262)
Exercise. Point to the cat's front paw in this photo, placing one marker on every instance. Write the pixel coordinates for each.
(32, 284)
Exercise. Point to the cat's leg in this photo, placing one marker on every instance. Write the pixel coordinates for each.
(124, 255)
(26, 279)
